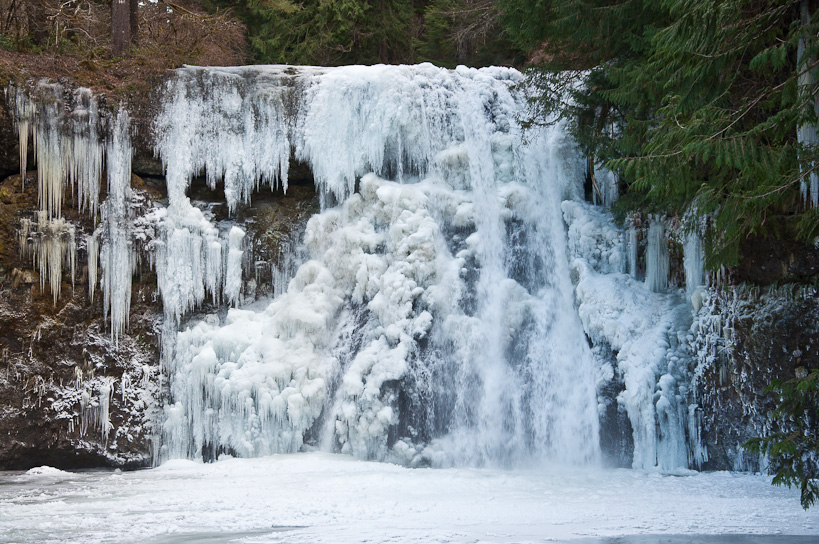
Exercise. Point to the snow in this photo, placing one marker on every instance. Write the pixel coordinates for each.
(321, 498)
(47, 472)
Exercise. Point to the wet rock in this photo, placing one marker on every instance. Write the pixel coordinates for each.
(70, 397)
(767, 334)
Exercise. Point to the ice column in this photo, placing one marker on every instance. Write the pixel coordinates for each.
(693, 257)
(656, 257)
(632, 248)
(233, 272)
(116, 255)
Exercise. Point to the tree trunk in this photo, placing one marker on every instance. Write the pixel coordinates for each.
(120, 26)
(134, 13)
(37, 23)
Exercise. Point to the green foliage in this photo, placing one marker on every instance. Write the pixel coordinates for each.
(464, 32)
(793, 451)
(328, 32)
(695, 102)
(6, 43)
(333, 32)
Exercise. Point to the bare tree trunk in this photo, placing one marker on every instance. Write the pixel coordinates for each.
(37, 24)
(134, 13)
(120, 26)
(808, 134)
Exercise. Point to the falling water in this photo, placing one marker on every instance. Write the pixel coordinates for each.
(432, 321)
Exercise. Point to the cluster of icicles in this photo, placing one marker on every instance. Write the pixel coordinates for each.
(75, 146)
(67, 131)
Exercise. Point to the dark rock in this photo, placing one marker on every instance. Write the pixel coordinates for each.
(768, 334)
(9, 148)
(147, 166)
(781, 258)
(58, 364)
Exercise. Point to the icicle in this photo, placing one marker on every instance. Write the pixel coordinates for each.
(51, 244)
(233, 273)
(699, 453)
(67, 144)
(116, 253)
(656, 257)
(25, 111)
(85, 407)
(93, 251)
(85, 152)
(106, 391)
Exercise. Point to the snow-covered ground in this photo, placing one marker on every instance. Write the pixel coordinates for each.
(323, 498)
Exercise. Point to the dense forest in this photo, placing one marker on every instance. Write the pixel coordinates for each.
(707, 110)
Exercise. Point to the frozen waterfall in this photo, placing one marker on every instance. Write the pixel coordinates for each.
(432, 321)
(427, 315)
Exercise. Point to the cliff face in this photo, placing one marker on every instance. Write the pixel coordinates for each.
(684, 368)
(71, 396)
(766, 333)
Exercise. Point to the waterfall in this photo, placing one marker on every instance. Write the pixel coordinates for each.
(432, 320)
(427, 315)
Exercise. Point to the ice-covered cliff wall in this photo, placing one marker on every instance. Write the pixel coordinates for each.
(429, 317)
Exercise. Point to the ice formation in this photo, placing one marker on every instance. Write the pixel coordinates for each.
(116, 257)
(51, 244)
(428, 318)
(64, 129)
(432, 321)
(605, 188)
(656, 257)
(693, 259)
(646, 326)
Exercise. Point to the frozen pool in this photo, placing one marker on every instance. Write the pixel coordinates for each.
(323, 498)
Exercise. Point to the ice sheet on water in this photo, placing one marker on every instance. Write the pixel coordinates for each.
(332, 499)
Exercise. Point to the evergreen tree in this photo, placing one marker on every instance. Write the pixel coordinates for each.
(793, 449)
(696, 102)
(330, 32)
(465, 32)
